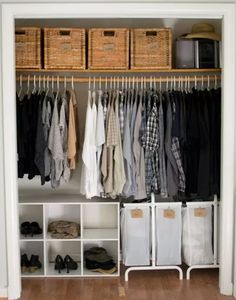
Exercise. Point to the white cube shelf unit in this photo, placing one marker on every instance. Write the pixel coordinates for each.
(99, 221)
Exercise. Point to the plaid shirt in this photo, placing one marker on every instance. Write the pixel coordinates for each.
(175, 148)
(112, 126)
(150, 142)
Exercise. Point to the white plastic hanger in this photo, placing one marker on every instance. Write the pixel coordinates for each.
(167, 83)
(58, 87)
(89, 85)
(20, 90)
(39, 84)
(72, 83)
(195, 81)
(28, 85)
(47, 86)
(100, 83)
(65, 84)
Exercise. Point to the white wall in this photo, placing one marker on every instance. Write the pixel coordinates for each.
(3, 252)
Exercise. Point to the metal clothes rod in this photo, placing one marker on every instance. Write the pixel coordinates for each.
(131, 79)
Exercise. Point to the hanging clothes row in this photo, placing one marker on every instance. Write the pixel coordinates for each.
(47, 126)
(140, 140)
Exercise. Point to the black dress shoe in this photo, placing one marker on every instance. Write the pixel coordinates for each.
(25, 264)
(70, 264)
(25, 228)
(30, 228)
(35, 264)
(59, 263)
(35, 229)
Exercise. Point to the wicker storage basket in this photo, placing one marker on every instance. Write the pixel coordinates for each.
(28, 50)
(151, 48)
(64, 48)
(108, 48)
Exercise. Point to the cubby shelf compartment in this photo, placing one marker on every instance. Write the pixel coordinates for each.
(111, 248)
(63, 248)
(99, 226)
(36, 248)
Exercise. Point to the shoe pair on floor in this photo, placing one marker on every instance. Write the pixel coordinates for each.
(30, 228)
(67, 263)
(30, 265)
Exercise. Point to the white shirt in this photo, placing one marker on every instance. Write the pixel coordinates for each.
(100, 140)
(89, 157)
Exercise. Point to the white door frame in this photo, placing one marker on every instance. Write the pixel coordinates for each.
(119, 10)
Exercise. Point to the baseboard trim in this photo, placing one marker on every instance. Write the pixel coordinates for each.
(3, 293)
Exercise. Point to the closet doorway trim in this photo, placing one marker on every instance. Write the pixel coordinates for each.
(226, 11)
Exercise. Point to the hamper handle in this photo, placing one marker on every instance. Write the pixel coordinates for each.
(151, 33)
(20, 32)
(64, 32)
(109, 33)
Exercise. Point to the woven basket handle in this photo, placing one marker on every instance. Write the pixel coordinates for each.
(151, 33)
(64, 32)
(20, 32)
(108, 33)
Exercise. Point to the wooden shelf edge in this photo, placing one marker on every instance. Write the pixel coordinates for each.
(122, 71)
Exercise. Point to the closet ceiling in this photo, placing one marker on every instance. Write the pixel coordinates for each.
(117, 1)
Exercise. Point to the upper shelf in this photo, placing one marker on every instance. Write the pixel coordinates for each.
(121, 71)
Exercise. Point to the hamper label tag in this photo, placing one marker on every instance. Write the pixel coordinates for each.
(136, 213)
(169, 213)
(200, 212)
(108, 47)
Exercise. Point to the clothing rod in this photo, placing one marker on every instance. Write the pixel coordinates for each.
(198, 79)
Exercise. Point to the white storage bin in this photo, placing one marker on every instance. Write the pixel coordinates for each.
(197, 235)
(135, 235)
(168, 233)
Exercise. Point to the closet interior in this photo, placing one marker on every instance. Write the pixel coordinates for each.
(96, 225)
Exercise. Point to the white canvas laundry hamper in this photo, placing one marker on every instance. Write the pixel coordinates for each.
(197, 245)
(168, 233)
(135, 236)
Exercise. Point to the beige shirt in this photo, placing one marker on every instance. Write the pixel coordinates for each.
(119, 169)
(108, 149)
(72, 131)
